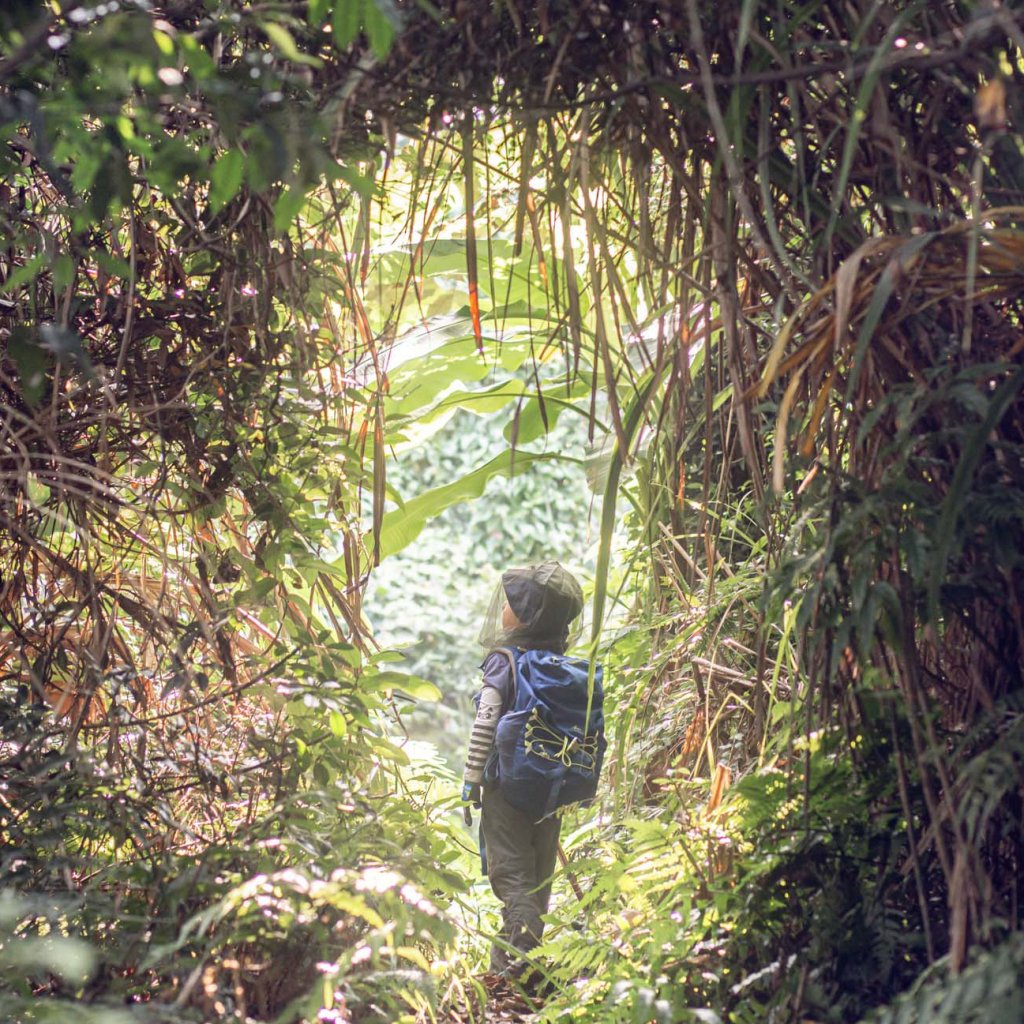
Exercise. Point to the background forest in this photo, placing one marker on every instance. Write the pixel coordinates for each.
(315, 315)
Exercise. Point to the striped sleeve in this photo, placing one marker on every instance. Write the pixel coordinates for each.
(482, 736)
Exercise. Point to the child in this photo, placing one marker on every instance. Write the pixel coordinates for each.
(533, 609)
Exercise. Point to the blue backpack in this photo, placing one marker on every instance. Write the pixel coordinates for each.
(550, 744)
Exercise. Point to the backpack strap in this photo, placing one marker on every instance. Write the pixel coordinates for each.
(508, 652)
(552, 802)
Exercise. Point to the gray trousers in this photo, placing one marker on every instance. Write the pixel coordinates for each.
(520, 862)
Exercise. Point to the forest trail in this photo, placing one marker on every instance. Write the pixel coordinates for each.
(505, 1003)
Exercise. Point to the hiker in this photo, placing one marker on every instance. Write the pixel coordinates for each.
(536, 745)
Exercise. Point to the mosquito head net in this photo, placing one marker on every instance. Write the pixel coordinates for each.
(543, 605)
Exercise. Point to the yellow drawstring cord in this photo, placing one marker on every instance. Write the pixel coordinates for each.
(543, 741)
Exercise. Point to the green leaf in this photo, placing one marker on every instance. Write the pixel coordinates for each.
(257, 592)
(226, 178)
(859, 115)
(389, 752)
(379, 28)
(402, 526)
(200, 64)
(30, 360)
(362, 183)
(413, 686)
(531, 423)
(63, 272)
(164, 43)
(287, 207)
(316, 13)
(38, 492)
(346, 21)
(632, 421)
(113, 265)
(66, 346)
(72, 959)
(893, 273)
(483, 402)
(418, 382)
(25, 273)
(284, 41)
(953, 504)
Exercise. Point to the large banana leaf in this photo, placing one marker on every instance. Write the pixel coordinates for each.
(403, 525)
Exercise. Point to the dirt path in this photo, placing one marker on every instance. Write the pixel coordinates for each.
(492, 1000)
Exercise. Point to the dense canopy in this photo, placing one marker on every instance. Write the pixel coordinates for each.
(731, 289)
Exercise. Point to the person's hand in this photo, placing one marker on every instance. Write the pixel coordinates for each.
(470, 796)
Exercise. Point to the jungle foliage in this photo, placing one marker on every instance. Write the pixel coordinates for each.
(750, 269)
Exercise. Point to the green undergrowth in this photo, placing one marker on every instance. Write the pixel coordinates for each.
(768, 907)
(296, 899)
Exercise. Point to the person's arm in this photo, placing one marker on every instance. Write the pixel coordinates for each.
(495, 695)
(481, 738)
